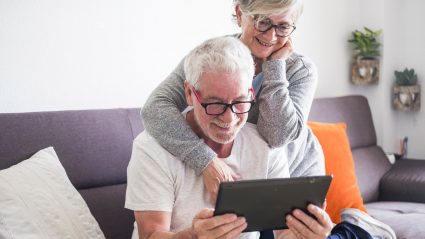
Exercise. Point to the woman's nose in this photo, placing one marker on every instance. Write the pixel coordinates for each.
(270, 35)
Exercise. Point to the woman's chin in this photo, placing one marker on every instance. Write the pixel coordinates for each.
(262, 54)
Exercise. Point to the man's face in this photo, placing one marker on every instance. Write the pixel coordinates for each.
(223, 88)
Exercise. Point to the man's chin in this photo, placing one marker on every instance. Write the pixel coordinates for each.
(223, 138)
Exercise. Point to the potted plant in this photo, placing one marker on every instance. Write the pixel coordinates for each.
(365, 65)
(406, 91)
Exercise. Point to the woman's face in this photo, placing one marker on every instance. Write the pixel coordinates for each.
(262, 44)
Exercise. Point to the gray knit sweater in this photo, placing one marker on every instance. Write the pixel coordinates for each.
(284, 98)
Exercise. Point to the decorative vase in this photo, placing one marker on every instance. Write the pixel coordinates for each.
(407, 97)
(365, 71)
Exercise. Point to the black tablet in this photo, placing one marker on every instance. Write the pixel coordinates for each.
(265, 202)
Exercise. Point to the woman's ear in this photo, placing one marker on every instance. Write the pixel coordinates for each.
(188, 93)
(238, 15)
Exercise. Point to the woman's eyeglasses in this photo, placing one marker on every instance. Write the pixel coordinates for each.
(262, 24)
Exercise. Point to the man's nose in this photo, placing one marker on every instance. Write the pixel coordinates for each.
(228, 116)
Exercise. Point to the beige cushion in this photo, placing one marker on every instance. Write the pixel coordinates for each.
(37, 200)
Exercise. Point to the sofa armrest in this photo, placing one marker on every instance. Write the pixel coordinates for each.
(405, 181)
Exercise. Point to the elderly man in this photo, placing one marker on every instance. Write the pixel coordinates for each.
(170, 201)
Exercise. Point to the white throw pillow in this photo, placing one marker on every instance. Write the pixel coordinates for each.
(37, 200)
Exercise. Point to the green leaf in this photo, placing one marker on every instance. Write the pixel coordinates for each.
(366, 43)
(406, 77)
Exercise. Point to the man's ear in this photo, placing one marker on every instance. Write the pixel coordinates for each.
(188, 93)
(238, 15)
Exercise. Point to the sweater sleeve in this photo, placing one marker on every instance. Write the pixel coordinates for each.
(163, 120)
(286, 96)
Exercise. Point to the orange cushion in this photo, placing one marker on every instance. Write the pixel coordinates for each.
(344, 191)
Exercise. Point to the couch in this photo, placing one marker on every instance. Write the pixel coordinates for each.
(394, 194)
(94, 147)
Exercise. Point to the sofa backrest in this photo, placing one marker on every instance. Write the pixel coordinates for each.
(94, 146)
(370, 161)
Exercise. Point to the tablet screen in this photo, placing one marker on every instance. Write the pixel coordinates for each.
(265, 202)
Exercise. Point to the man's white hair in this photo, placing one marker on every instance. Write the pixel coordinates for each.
(219, 55)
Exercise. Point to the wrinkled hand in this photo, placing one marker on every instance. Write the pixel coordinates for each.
(216, 172)
(305, 226)
(284, 52)
(284, 234)
(205, 225)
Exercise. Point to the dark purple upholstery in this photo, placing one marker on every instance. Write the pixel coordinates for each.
(352, 110)
(404, 182)
(107, 206)
(371, 164)
(407, 219)
(388, 190)
(94, 146)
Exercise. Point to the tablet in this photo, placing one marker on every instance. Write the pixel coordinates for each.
(265, 202)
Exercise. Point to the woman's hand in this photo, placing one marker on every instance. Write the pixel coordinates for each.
(284, 52)
(305, 226)
(216, 172)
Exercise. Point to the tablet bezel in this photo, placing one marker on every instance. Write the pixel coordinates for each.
(265, 202)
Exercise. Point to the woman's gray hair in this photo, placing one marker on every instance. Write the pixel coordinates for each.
(221, 54)
(271, 7)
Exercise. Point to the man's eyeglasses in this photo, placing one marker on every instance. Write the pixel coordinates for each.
(218, 108)
(262, 24)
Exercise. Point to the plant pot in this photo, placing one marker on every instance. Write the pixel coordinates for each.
(407, 97)
(365, 71)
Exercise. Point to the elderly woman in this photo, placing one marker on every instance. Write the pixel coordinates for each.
(284, 83)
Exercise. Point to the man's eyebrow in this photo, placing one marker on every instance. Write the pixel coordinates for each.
(242, 97)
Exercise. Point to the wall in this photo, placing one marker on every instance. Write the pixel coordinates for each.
(322, 35)
(409, 51)
(59, 55)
